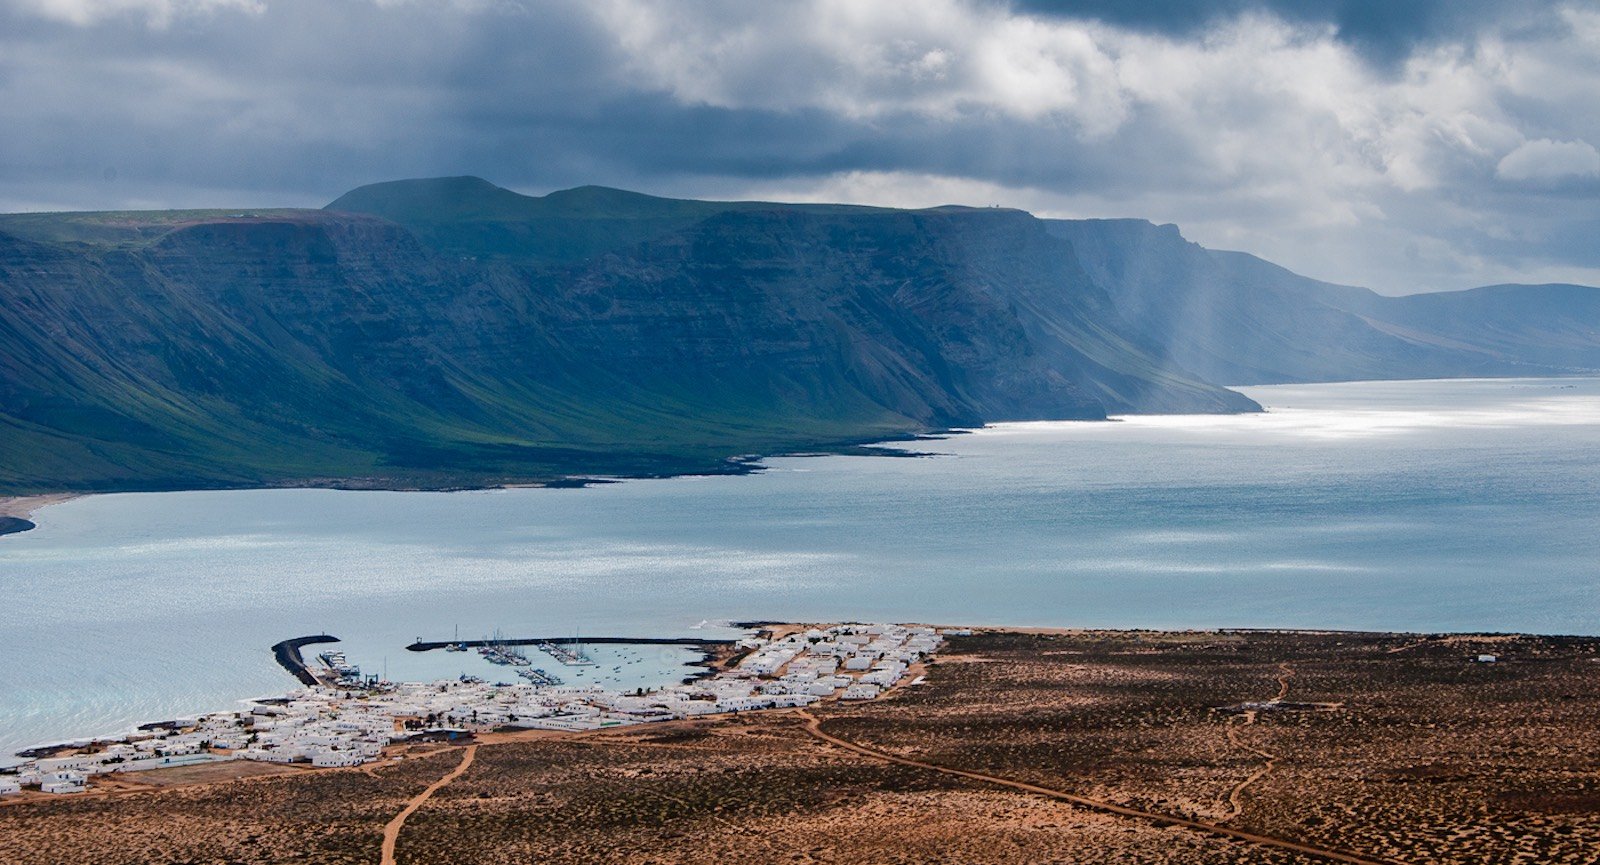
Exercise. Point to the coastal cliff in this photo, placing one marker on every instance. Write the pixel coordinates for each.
(448, 333)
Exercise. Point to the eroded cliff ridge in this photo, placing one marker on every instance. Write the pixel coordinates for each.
(447, 332)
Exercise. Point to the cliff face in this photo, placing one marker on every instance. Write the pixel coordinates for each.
(454, 333)
(942, 317)
(329, 347)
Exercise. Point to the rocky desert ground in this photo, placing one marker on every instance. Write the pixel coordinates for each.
(1080, 747)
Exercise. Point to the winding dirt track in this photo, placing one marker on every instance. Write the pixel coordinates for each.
(1285, 673)
(814, 727)
(1236, 795)
(391, 832)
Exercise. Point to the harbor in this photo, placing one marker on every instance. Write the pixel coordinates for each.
(421, 645)
(288, 656)
(347, 719)
(570, 652)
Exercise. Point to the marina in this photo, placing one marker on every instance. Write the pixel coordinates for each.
(421, 645)
(499, 652)
(570, 654)
(347, 719)
(539, 677)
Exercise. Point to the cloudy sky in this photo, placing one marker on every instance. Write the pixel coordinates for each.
(1406, 145)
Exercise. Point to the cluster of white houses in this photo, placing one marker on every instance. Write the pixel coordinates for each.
(349, 726)
(854, 662)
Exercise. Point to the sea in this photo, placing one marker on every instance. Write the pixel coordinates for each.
(1461, 505)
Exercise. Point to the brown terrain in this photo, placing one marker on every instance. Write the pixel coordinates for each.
(22, 507)
(1080, 747)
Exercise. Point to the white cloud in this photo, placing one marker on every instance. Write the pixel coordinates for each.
(1259, 133)
(941, 58)
(1254, 132)
(157, 13)
(902, 189)
(1257, 100)
(1543, 159)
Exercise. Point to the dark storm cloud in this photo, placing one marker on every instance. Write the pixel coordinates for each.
(1386, 31)
(1411, 145)
(302, 98)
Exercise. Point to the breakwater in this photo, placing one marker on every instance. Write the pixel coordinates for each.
(288, 655)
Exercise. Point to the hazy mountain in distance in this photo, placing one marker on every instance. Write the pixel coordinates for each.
(1233, 318)
(447, 332)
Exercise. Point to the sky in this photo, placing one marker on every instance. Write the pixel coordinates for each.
(1405, 145)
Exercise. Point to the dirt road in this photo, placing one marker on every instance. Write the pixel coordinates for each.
(814, 727)
(391, 832)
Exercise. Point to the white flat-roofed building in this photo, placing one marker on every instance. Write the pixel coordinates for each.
(822, 664)
(148, 763)
(180, 747)
(880, 678)
(71, 763)
(690, 708)
(859, 691)
(332, 758)
(62, 782)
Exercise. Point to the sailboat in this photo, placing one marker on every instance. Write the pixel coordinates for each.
(456, 645)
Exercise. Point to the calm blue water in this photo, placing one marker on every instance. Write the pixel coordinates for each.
(1464, 505)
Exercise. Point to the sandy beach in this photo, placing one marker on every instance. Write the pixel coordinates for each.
(16, 512)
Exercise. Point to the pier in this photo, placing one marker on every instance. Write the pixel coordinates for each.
(699, 642)
(288, 655)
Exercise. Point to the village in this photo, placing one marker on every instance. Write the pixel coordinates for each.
(349, 724)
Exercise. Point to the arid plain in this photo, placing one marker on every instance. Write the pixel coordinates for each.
(1082, 747)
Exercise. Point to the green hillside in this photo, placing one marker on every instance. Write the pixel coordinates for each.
(444, 333)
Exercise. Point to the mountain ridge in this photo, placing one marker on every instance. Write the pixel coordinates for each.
(448, 332)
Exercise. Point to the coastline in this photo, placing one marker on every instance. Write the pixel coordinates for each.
(720, 658)
(1172, 738)
(16, 512)
(20, 508)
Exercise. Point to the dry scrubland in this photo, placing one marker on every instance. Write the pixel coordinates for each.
(1422, 755)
